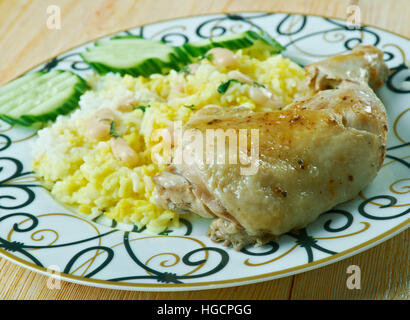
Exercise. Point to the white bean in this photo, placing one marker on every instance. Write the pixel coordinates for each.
(237, 75)
(263, 97)
(193, 67)
(222, 57)
(213, 106)
(99, 124)
(178, 88)
(122, 151)
(209, 110)
(98, 129)
(259, 95)
(105, 113)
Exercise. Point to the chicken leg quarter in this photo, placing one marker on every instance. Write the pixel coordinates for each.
(313, 155)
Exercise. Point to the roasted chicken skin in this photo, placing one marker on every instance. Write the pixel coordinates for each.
(364, 64)
(313, 155)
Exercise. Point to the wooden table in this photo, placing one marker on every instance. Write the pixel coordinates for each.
(25, 41)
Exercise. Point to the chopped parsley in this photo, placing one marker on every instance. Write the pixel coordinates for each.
(143, 108)
(192, 107)
(185, 70)
(257, 84)
(223, 87)
(209, 57)
(112, 130)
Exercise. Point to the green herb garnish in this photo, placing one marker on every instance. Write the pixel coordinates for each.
(112, 130)
(191, 106)
(143, 108)
(208, 56)
(225, 85)
(257, 84)
(185, 70)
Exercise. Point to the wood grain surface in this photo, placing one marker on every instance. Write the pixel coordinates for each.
(25, 41)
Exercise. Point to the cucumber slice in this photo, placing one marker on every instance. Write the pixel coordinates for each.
(40, 96)
(134, 55)
(247, 39)
(142, 57)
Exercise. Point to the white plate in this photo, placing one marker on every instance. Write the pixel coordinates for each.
(42, 235)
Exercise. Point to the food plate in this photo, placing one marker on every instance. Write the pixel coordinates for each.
(39, 233)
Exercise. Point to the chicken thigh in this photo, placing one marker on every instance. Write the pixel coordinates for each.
(312, 155)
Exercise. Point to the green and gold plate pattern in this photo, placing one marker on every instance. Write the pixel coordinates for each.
(41, 234)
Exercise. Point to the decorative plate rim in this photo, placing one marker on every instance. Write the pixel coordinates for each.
(219, 283)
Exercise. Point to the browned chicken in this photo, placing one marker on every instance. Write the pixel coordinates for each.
(364, 64)
(313, 155)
